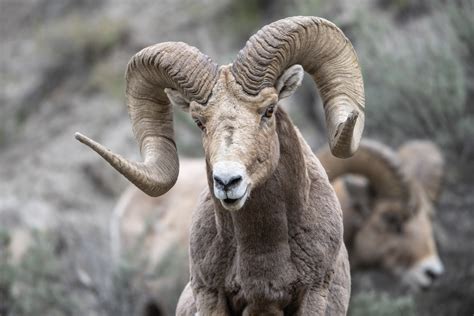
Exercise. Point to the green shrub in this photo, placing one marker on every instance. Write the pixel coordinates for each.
(35, 285)
(124, 294)
(171, 267)
(7, 274)
(136, 283)
(106, 77)
(371, 304)
(416, 81)
(72, 36)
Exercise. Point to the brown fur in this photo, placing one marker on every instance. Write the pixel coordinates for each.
(423, 161)
(145, 223)
(378, 237)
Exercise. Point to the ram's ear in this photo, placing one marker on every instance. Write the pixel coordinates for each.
(361, 193)
(177, 99)
(289, 81)
(423, 161)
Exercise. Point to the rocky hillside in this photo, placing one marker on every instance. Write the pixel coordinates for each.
(61, 71)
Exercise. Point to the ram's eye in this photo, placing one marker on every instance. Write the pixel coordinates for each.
(394, 222)
(199, 124)
(269, 111)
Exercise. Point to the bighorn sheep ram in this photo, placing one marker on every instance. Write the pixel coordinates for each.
(388, 207)
(268, 240)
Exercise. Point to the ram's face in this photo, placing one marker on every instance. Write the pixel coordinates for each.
(239, 138)
(405, 246)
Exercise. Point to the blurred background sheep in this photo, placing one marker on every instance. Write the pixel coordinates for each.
(61, 70)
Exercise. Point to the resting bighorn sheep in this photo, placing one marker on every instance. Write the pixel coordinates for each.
(388, 211)
(268, 240)
(154, 233)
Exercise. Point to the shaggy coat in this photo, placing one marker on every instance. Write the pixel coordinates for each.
(274, 253)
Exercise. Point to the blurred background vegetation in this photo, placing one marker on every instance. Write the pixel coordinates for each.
(61, 70)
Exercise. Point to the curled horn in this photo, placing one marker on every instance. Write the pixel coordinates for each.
(327, 55)
(378, 163)
(172, 65)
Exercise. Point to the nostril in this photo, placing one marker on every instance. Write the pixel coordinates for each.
(234, 180)
(431, 274)
(218, 181)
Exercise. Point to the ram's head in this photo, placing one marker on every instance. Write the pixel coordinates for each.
(236, 106)
(389, 219)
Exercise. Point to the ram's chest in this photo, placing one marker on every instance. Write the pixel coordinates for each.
(268, 278)
(270, 263)
(278, 276)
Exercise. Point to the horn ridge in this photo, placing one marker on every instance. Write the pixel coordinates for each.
(375, 161)
(326, 54)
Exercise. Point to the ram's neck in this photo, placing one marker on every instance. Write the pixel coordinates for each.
(261, 226)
